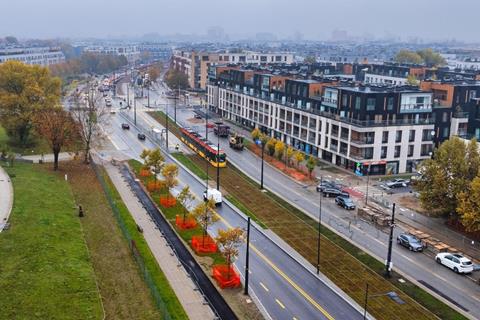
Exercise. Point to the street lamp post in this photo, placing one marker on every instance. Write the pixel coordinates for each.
(148, 96)
(365, 303)
(134, 108)
(247, 258)
(368, 182)
(166, 126)
(206, 159)
(388, 263)
(261, 174)
(218, 157)
(128, 95)
(319, 226)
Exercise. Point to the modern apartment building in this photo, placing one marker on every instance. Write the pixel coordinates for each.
(390, 74)
(43, 56)
(196, 64)
(131, 52)
(383, 129)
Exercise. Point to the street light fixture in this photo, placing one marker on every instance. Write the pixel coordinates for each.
(388, 263)
(391, 294)
(319, 226)
(247, 257)
(218, 156)
(368, 182)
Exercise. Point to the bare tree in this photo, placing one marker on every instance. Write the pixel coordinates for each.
(90, 114)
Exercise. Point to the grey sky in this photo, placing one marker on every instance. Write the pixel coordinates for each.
(316, 19)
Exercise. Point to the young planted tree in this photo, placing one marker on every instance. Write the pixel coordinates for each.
(155, 161)
(170, 173)
(290, 151)
(311, 163)
(229, 240)
(469, 206)
(57, 126)
(299, 157)
(205, 215)
(256, 133)
(185, 198)
(279, 149)
(271, 146)
(89, 115)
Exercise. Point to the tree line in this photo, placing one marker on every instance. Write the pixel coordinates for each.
(427, 57)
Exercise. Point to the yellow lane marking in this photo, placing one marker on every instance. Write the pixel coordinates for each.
(264, 287)
(280, 304)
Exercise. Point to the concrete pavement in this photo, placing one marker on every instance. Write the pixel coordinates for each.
(6, 198)
(62, 156)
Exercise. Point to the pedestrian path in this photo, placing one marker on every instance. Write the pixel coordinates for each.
(6, 198)
(62, 156)
(190, 298)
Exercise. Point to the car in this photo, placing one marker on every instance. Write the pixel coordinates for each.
(125, 126)
(197, 116)
(141, 136)
(334, 192)
(326, 184)
(455, 261)
(410, 241)
(345, 202)
(213, 194)
(397, 183)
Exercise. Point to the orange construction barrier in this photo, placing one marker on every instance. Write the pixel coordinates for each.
(226, 277)
(167, 202)
(189, 223)
(201, 245)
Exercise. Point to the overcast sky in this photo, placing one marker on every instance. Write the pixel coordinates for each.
(315, 19)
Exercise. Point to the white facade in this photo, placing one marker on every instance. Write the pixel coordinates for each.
(393, 145)
(131, 52)
(380, 79)
(33, 56)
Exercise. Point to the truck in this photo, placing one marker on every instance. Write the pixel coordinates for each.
(236, 141)
(214, 195)
(221, 130)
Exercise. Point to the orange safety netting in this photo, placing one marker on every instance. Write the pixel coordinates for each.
(226, 277)
(189, 223)
(167, 202)
(201, 245)
(154, 185)
(145, 173)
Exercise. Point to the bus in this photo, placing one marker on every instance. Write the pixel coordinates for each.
(204, 148)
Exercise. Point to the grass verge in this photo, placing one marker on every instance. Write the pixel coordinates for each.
(190, 165)
(45, 271)
(242, 208)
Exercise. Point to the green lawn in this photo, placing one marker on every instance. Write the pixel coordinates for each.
(3, 136)
(45, 269)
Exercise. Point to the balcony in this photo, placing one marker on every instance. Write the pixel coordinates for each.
(415, 107)
(329, 102)
(362, 140)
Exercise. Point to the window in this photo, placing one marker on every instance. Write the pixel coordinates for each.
(427, 135)
(446, 132)
(385, 137)
(383, 153)
(358, 101)
(397, 151)
(411, 136)
(398, 136)
(370, 104)
(344, 100)
(445, 117)
(390, 103)
(410, 151)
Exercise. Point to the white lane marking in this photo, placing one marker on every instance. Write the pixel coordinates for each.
(264, 287)
(280, 303)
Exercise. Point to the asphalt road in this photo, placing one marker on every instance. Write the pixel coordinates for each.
(457, 289)
(285, 288)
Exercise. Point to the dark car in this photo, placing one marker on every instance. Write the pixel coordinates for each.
(410, 241)
(344, 202)
(141, 136)
(333, 192)
(326, 184)
(125, 126)
(197, 116)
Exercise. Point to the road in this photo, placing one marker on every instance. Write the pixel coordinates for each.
(458, 290)
(284, 287)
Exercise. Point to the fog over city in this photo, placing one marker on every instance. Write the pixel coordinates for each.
(284, 19)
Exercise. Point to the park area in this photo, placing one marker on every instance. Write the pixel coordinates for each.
(350, 270)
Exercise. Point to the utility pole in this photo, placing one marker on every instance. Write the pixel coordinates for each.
(368, 182)
(134, 107)
(206, 159)
(388, 264)
(319, 226)
(247, 258)
(166, 126)
(261, 173)
(218, 157)
(128, 95)
(365, 303)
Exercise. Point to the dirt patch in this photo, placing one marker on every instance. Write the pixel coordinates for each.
(411, 203)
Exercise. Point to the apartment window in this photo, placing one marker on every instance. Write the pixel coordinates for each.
(445, 117)
(410, 151)
(390, 103)
(384, 136)
(370, 104)
(344, 100)
(411, 136)
(358, 101)
(383, 153)
(368, 153)
(397, 151)
(446, 132)
(398, 136)
(427, 135)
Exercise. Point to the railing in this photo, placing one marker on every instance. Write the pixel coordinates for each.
(460, 115)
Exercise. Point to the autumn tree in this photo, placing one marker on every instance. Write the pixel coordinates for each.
(176, 80)
(289, 154)
(89, 115)
(154, 71)
(431, 58)
(24, 90)
(279, 149)
(469, 206)
(205, 215)
(408, 57)
(310, 60)
(271, 146)
(256, 133)
(155, 160)
(299, 157)
(185, 198)
(170, 173)
(57, 127)
(229, 241)
(412, 80)
(311, 163)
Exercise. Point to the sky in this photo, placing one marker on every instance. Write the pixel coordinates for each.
(315, 19)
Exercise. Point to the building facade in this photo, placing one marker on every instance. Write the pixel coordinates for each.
(131, 52)
(44, 56)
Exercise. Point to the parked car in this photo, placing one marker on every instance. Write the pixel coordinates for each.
(455, 261)
(141, 136)
(321, 186)
(397, 183)
(125, 126)
(410, 241)
(345, 203)
(197, 116)
(213, 194)
(333, 192)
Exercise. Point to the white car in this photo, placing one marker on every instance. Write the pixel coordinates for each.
(213, 194)
(455, 261)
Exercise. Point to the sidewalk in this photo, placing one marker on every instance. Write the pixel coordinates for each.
(6, 198)
(190, 298)
(62, 156)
